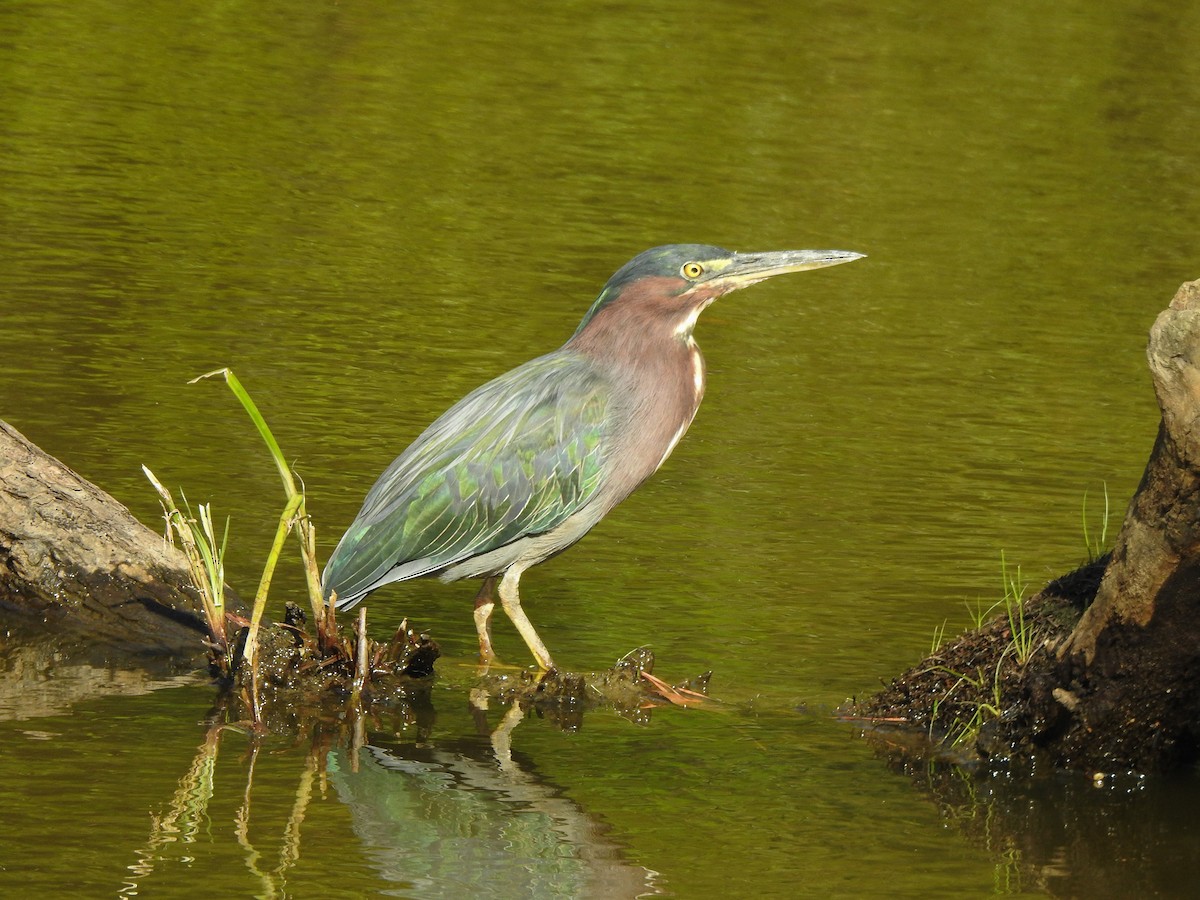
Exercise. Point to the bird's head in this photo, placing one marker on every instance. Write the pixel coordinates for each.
(668, 287)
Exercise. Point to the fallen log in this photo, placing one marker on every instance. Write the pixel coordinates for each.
(75, 558)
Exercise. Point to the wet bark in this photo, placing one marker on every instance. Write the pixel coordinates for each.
(75, 558)
(1126, 690)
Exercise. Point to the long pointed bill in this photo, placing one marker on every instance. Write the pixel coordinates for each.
(746, 269)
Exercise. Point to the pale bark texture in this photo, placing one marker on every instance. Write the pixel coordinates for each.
(74, 557)
(1128, 689)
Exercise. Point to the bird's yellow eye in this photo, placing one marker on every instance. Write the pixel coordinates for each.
(692, 270)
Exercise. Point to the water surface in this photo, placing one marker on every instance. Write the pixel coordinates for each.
(366, 211)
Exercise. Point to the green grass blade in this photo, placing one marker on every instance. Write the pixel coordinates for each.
(1096, 549)
(1087, 538)
(305, 529)
(1014, 607)
(289, 483)
(199, 558)
(286, 521)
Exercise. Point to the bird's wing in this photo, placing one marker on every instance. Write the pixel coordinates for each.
(516, 457)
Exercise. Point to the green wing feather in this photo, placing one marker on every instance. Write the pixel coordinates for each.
(516, 457)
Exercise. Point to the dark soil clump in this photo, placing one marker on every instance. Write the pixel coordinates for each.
(974, 698)
(297, 679)
(301, 680)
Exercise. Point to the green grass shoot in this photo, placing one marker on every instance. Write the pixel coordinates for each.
(939, 637)
(205, 558)
(197, 537)
(1096, 545)
(1014, 609)
(213, 554)
(964, 727)
(986, 701)
(298, 518)
(979, 613)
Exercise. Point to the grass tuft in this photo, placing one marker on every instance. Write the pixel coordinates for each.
(939, 638)
(1096, 545)
(197, 537)
(1014, 609)
(299, 518)
(206, 564)
(976, 696)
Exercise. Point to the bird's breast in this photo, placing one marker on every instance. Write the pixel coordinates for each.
(654, 402)
(685, 412)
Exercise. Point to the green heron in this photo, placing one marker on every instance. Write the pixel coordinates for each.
(523, 467)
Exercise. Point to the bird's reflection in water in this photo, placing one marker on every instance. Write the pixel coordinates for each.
(470, 821)
(451, 816)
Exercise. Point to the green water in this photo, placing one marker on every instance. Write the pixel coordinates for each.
(368, 209)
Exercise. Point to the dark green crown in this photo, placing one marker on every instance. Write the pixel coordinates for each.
(662, 262)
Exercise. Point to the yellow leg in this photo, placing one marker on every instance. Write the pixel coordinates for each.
(511, 601)
(484, 604)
